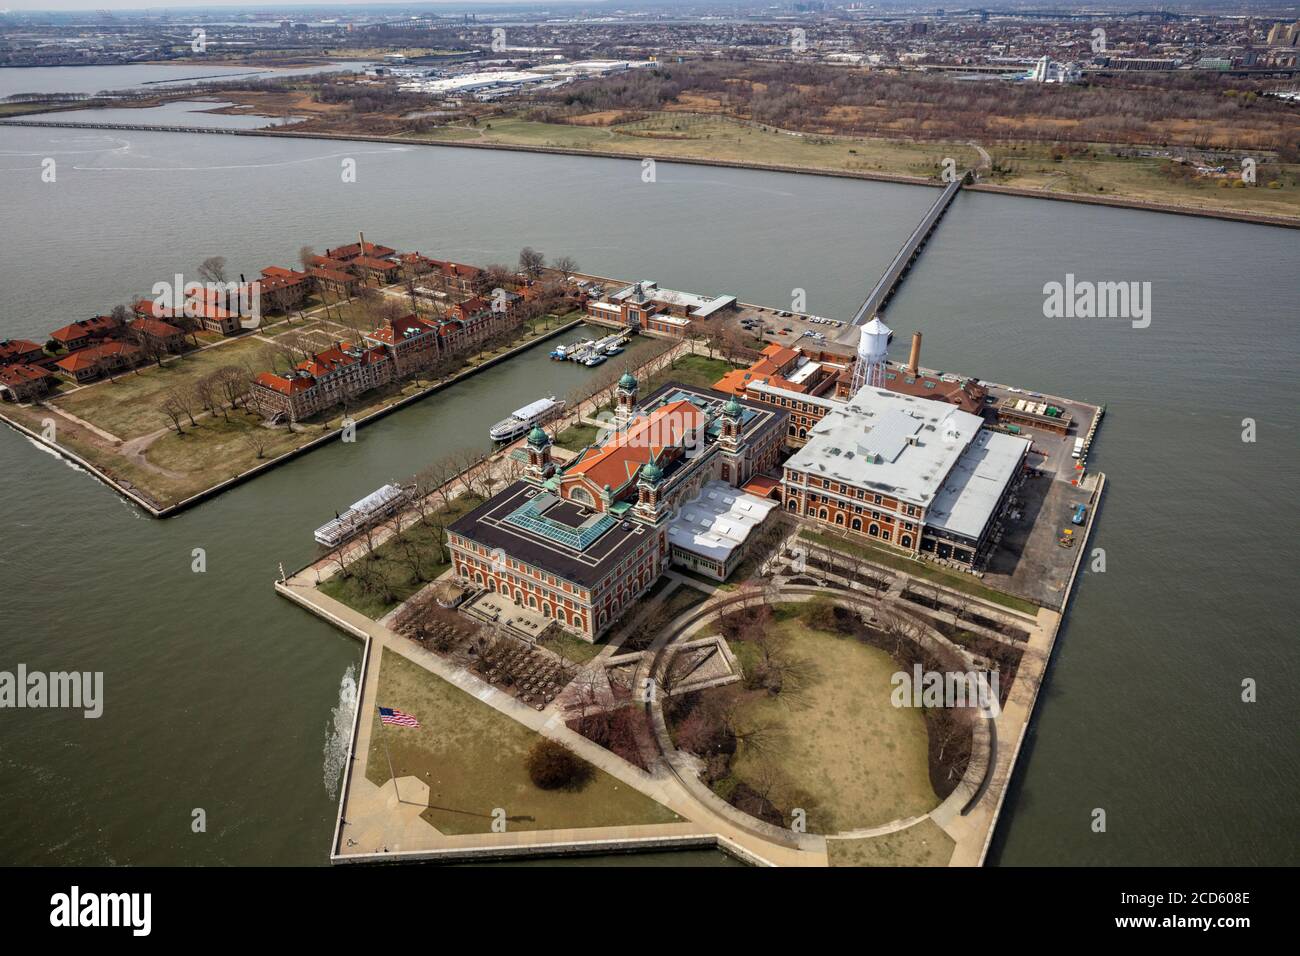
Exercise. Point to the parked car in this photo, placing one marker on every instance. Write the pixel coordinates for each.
(1080, 514)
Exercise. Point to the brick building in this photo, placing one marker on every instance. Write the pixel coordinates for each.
(578, 543)
(910, 473)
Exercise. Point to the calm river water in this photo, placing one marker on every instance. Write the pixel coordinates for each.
(221, 696)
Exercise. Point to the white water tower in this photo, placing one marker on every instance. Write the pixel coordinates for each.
(873, 355)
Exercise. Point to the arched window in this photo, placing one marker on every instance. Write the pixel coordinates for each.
(519, 597)
(562, 615)
(822, 514)
(906, 541)
(492, 584)
(532, 602)
(546, 610)
(874, 530)
(794, 505)
(839, 517)
(478, 578)
(803, 433)
(581, 496)
(856, 524)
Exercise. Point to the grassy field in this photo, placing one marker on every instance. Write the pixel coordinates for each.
(572, 647)
(698, 371)
(128, 406)
(921, 569)
(699, 136)
(1024, 165)
(176, 467)
(389, 564)
(577, 437)
(472, 758)
(1098, 172)
(837, 747)
(923, 844)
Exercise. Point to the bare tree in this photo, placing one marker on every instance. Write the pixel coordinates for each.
(257, 439)
(531, 262)
(566, 265)
(173, 410)
(183, 398)
(213, 269)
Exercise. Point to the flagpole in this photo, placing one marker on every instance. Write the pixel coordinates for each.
(391, 772)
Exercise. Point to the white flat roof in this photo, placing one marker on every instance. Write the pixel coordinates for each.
(717, 521)
(888, 443)
(974, 486)
(700, 305)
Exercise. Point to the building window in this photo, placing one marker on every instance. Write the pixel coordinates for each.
(874, 530)
(856, 524)
(906, 541)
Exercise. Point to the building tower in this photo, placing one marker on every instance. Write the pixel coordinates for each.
(540, 467)
(873, 356)
(626, 393)
(649, 508)
(732, 412)
(733, 466)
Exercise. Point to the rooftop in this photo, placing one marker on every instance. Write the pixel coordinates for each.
(578, 544)
(717, 521)
(974, 486)
(889, 444)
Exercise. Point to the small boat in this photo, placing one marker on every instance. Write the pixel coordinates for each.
(591, 361)
(614, 350)
(522, 419)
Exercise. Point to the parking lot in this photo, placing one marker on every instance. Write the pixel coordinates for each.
(788, 328)
(1030, 561)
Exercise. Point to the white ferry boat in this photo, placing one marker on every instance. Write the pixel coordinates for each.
(377, 504)
(534, 413)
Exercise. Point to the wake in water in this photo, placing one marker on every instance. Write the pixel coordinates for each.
(339, 731)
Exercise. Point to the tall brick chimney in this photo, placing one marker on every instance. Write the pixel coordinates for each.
(914, 363)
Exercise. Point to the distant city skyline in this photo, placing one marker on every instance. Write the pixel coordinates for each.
(82, 6)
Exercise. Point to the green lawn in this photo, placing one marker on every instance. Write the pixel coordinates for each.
(921, 569)
(577, 437)
(835, 745)
(699, 371)
(923, 844)
(390, 564)
(572, 647)
(129, 406)
(472, 758)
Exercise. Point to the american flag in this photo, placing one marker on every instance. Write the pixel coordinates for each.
(390, 715)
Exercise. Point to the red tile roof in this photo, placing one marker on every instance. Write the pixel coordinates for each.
(285, 386)
(775, 358)
(332, 275)
(159, 330)
(354, 249)
(380, 265)
(14, 375)
(88, 357)
(11, 349)
(98, 326)
(617, 461)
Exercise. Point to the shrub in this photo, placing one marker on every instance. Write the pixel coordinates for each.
(553, 766)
